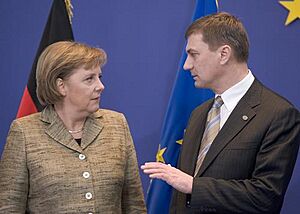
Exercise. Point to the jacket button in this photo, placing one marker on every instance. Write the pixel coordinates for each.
(81, 156)
(88, 195)
(86, 174)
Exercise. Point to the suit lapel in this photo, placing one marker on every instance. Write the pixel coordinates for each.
(193, 137)
(239, 118)
(57, 130)
(92, 128)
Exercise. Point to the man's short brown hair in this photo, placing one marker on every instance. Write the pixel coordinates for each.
(222, 29)
(59, 61)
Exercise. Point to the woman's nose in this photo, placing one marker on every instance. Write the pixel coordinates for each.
(100, 85)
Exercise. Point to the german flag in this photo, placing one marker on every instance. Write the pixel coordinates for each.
(58, 28)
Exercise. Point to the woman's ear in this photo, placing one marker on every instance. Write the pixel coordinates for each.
(61, 86)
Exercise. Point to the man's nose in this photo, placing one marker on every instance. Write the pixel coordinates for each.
(187, 64)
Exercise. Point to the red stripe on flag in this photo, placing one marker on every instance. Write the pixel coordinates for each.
(27, 105)
(58, 28)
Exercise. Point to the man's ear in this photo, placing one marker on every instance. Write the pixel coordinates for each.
(61, 86)
(225, 54)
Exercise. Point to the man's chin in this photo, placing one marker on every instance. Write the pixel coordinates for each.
(198, 85)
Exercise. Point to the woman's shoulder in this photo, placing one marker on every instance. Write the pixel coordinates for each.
(29, 119)
(26, 123)
(111, 115)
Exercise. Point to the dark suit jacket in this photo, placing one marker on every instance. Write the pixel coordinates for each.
(250, 163)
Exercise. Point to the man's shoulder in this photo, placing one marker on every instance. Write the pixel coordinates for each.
(203, 106)
(271, 101)
(275, 98)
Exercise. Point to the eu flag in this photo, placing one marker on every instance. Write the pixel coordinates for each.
(184, 98)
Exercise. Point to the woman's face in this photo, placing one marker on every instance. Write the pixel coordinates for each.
(82, 91)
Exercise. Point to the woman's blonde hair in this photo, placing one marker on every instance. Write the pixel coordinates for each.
(59, 60)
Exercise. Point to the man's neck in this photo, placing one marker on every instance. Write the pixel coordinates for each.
(232, 75)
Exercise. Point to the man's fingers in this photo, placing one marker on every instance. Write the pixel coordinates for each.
(152, 170)
(161, 176)
(157, 170)
(153, 165)
(173, 176)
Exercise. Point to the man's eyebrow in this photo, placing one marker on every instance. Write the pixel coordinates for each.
(191, 50)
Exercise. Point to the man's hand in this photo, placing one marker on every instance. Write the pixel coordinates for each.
(173, 176)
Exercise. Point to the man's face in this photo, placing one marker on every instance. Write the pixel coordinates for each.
(201, 62)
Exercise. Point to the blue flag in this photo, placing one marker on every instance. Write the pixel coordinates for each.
(184, 98)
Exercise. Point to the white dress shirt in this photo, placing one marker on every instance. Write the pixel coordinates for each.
(232, 96)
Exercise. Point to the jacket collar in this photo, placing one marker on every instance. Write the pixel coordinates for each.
(242, 114)
(57, 130)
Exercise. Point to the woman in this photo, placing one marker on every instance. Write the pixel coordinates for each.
(72, 157)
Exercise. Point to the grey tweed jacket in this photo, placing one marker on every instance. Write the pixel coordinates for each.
(44, 170)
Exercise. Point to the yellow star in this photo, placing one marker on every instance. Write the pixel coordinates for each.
(159, 154)
(179, 141)
(294, 8)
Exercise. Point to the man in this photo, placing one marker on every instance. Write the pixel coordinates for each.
(240, 148)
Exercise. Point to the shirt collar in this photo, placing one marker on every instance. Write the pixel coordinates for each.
(232, 96)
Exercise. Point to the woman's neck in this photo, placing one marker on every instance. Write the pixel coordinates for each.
(73, 122)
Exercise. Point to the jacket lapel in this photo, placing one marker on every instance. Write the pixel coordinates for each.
(92, 128)
(193, 137)
(239, 118)
(57, 130)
